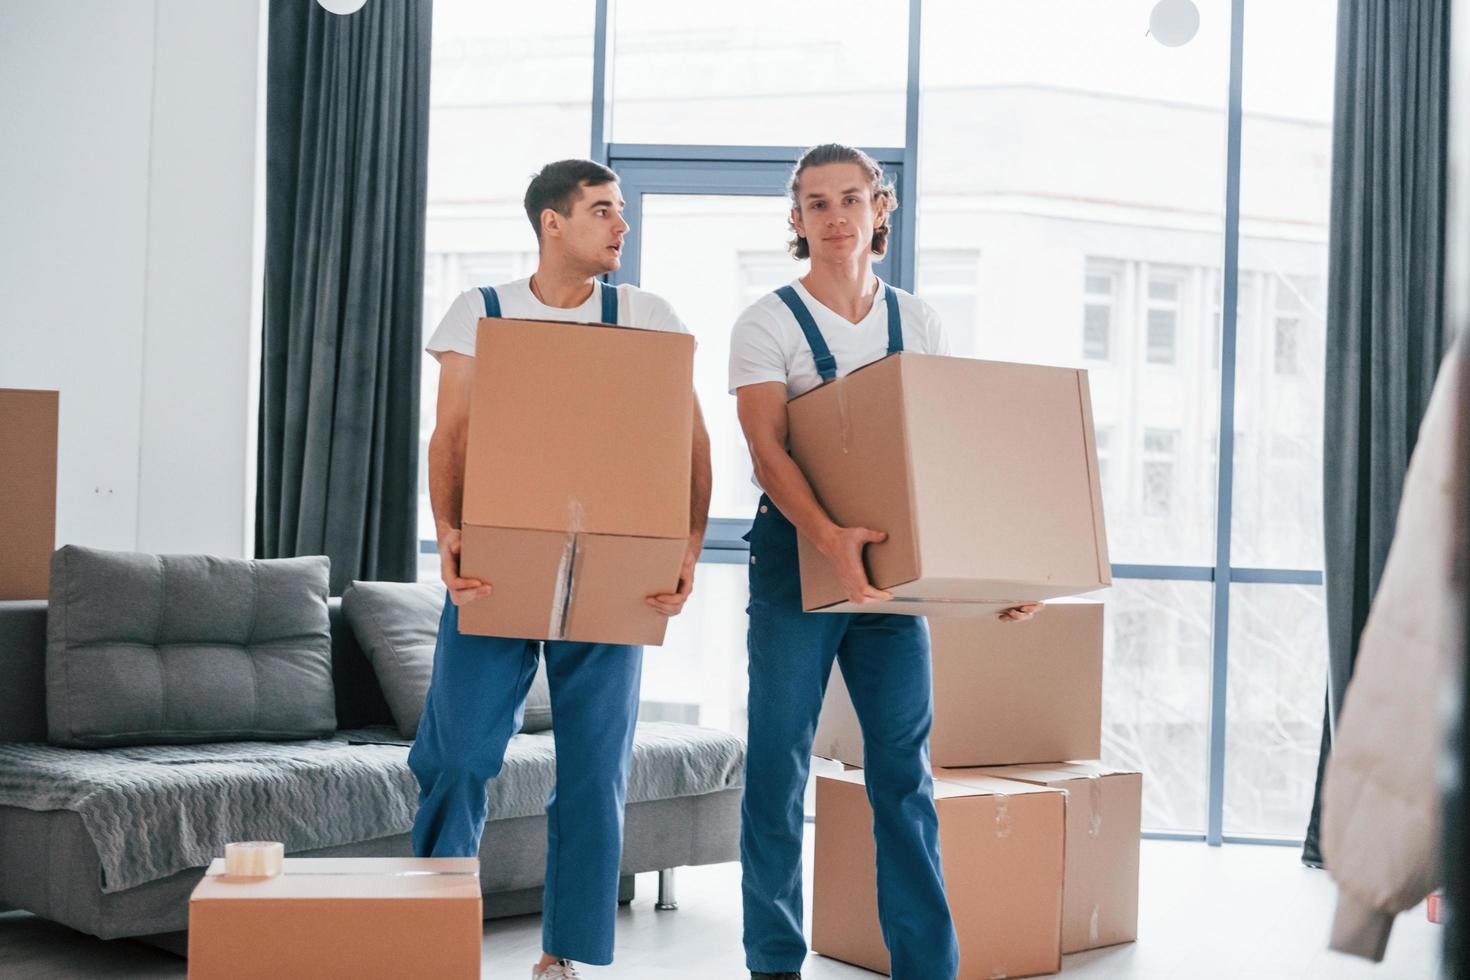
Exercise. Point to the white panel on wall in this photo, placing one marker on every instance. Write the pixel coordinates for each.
(75, 94)
(128, 258)
(201, 276)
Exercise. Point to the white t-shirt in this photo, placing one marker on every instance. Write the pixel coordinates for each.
(767, 343)
(636, 308)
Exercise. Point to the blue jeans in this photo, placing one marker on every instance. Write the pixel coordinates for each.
(885, 661)
(475, 702)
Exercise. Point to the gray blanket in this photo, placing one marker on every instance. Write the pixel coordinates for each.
(155, 810)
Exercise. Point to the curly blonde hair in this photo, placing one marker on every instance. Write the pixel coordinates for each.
(883, 191)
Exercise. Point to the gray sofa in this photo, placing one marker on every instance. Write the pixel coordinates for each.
(86, 834)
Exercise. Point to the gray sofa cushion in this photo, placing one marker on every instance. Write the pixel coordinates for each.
(154, 810)
(49, 865)
(397, 625)
(23, 671)
(186, 648)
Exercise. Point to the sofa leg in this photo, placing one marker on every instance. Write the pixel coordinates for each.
(667, 901)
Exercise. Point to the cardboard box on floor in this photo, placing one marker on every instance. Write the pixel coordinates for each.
(1104, 824)
(1002, 854)
(983, 474)
(338, 917)
(28, 423)
(1004, 692)
(576, 493)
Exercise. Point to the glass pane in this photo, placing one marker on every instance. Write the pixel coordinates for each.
(699, 675)
(741, 256)
(1277, 686)
(762, 72)
(1096, 329)
(950, 282)
(523, 70)
(1156, 692)
(1285, 186)
(1085, 164)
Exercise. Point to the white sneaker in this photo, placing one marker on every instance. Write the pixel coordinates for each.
(560, 970)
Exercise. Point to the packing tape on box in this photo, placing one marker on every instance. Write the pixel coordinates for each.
(1092, 927)
(414, 873)
(843, 420)
(1002, 815)
(1095, 797)
(254, 858)
(566, 570)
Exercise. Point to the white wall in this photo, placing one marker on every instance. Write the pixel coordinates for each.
(129, 269)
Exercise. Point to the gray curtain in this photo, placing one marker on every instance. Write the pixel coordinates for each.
(1384, 301)
(347, 113)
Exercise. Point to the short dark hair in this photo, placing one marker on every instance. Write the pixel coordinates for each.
(824, 154)
(557, 184)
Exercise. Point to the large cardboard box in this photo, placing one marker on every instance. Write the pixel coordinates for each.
(983, 474)
(1001, 843)
(576, 494)
(28, 422)
(1004, 692)
(353, 918)
(1104, 824)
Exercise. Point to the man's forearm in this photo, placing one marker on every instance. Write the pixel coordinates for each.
(787, 486)
(446, 480)
(701, 479)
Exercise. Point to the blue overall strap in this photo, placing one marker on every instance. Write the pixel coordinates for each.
(821, 353)
(895, 325)
(609, 303)
(492, 301)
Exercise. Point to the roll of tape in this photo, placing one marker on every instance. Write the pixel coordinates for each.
(254, 858)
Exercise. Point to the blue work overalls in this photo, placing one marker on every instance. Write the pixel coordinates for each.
(885, 662)
(476, 695)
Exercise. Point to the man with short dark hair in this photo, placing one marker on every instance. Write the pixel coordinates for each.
(480, 683)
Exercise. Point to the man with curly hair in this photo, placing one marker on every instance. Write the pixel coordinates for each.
(833, 320)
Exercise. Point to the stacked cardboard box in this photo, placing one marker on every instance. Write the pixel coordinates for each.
(1004, 693)
(576, 493)
(1040, 855)
(1002, 848)
(1100, 903)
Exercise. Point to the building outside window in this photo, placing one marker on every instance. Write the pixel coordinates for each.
(1288, 322)
(1162, 311)
(1159, 449)
(1100, 309)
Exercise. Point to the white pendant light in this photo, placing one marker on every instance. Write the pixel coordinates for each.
(342, 7)
(1174, 22)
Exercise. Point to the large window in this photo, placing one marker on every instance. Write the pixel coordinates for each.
(1090, 175)
(1063, 202)
(757, 73)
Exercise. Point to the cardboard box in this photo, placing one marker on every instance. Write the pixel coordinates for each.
(576, 494)
(983, 474)
(1104, 824)
(352, 918)
(28, 423)
(1004, 692)
(1001, 845)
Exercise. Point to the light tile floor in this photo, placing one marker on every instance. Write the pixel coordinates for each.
(1206, 914)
